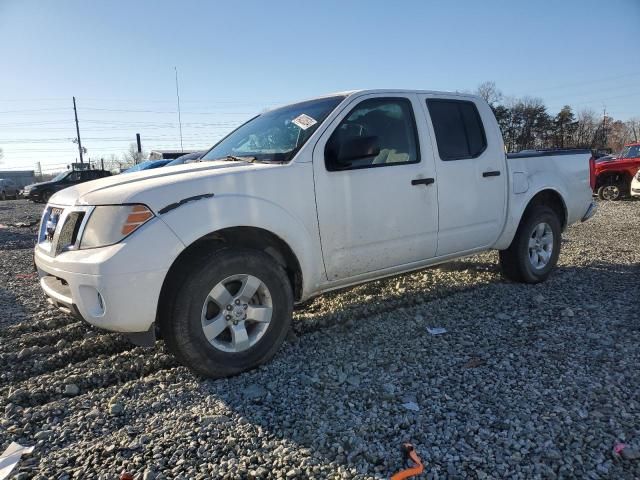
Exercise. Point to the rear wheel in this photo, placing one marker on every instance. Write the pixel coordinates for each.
(3, 196)
(231, 314)
(610, 192)
(534, 251)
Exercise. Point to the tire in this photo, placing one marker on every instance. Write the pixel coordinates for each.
(529, 246)
(3, 196)
(611, 192)
(46, 195)
(225, 353)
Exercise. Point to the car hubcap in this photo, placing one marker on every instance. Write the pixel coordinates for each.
(610, 192)
(237, 313)
(540, 245)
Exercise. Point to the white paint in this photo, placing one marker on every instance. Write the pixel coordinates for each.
(635, 185)
(520, 182)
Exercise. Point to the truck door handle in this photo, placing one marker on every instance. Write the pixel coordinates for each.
(422, 181)
(493, 173)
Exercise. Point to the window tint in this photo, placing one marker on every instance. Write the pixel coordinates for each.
(74, 177)
(378, 132)
(458, 128)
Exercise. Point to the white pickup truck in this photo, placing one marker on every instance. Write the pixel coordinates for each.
(300, 200)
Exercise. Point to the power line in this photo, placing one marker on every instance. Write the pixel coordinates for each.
(587, 82)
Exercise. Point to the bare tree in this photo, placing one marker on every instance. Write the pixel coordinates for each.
(633, 125)
(113, 162)
(489, 92)
(588, 124)
(132, 156)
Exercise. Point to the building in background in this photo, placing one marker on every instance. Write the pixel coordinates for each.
(167, 154)
(19, 177)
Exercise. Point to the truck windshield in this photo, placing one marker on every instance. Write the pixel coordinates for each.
(60, 176)
(277, 135)
(631, 151)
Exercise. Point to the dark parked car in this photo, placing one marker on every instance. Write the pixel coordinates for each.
(41, 192)
(147, 165)
(8, 189)
(188, 158)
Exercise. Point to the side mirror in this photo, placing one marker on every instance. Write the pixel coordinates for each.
(358, 147)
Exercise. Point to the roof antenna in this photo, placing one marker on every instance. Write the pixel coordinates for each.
(179, 118)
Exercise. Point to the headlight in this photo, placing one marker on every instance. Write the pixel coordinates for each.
(638, 175)
(111, 223)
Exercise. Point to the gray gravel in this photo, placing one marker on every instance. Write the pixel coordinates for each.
(527, 382)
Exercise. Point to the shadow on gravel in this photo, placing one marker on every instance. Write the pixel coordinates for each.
(11, 311)
(11, 239)
(529, 380)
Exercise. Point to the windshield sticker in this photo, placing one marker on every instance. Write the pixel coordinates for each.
(304, 121)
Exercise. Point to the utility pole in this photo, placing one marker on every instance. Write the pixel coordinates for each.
(139, 148)
(102, 164)
(604, 127)
(179, 118)
(75, 111)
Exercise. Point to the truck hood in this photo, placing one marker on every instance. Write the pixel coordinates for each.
(37, 185)
(137, 187)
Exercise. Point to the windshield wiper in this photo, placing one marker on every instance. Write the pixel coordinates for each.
(248, 158)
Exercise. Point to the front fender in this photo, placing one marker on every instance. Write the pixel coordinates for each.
(192, 220)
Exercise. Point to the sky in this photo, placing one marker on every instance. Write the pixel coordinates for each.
(237, 58)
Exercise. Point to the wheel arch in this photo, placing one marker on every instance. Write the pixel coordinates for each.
(552, 199)
(621, 177)
(241, 236)
(546, 195)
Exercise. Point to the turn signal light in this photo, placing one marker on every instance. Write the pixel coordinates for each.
(139, 215)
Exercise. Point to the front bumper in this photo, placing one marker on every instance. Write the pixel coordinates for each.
(34, 196)
(115, 287)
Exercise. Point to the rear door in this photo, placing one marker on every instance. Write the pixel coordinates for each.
(471, 173)
(377, 211)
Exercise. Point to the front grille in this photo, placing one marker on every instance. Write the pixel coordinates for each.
(69, 232)
(61, 228)
(635, 190)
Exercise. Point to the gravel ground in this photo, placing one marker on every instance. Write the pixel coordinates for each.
(528, 381)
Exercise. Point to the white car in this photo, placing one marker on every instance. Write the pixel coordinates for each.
(301, 200)
(635, 185)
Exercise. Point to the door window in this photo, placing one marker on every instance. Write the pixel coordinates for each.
(458, 128)
(379, 132)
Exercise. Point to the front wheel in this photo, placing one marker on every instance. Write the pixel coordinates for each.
(610, 192)
(46, 195)
(534, 251)
(231, 313)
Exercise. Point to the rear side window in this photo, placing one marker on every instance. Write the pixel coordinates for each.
(458, 128)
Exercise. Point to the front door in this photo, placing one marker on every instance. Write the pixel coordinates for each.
(375, 199)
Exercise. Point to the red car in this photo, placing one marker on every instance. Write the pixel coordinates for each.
(613, 176)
